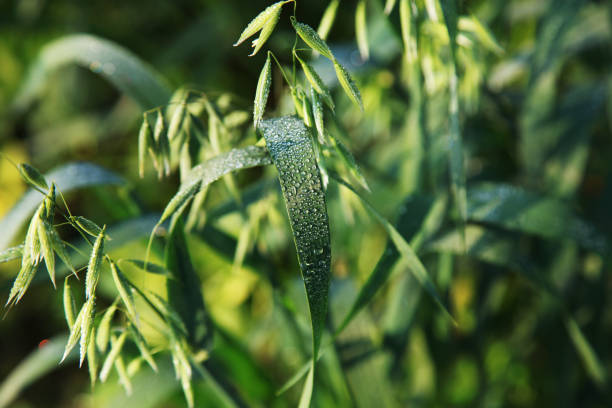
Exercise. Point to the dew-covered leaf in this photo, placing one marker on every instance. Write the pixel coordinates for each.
(361, 30)
(289, 145)
(67, 178)
(32, 176)
(329, 15)
(266, 32)
(113, 62)
(211, 170)
(347, 83)
(262, 91)
(311, 38)
(94, 265)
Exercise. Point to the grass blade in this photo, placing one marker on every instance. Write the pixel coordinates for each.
(389, 6)
(211, 170)
(116, 64)
(117, 345)
(291, 150)
(412, 261)
(308, 387)
(68, 304)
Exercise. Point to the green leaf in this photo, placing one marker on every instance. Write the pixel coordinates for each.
(407, 25)
(262, 91)
(289, 145)
(211, 170)
(68, 177)
(308, 387)
(75, 333)
(118, 65)
(312, 39)
(361, 30)
(32, 176)
(145, 142)
(317, 112)
(22, 281)
(141, 343)
(266, 32)
(347, 83)
(87, 226)
(37, 364)
(94, 265)
(407, 253)
(349, 160)
(329, 15)
(148, 267)
(92, 357)
(271, 13)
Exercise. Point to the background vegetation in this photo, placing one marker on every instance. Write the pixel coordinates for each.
(529, 289)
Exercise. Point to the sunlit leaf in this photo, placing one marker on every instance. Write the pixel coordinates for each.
(32, 176)
(262, 91)
(347, 83)
(329, 16)
(361, 30)
(311, 38)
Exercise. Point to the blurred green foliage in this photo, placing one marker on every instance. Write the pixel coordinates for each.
(528, 281)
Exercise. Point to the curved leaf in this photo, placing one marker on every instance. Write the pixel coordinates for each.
(289, 145)
(118, 65)
(68, 177)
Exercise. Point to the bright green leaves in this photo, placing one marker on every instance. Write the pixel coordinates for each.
(264, 22)
(289, 145)
(329, 15)
(211, 170)
(262, 92)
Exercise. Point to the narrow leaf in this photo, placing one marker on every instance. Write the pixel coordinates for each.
(308, 387)
(47, 248)
(361, 30)
(267, 30)
(347, 83)
(124, 379)
(145, 139)
(317, 111)
(87, 226)
(22, 281)
(148, 267)
(60, 249)
(262, 91)
(289, 145)
(75, 333)
(211, 170)
(412, 261)
(94, 265)
(12, 253)
(349, 160)
(389, 5)
(143, 347)
(92, 357)
(311, 38)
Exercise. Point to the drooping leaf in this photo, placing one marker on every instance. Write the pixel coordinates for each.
(262, 91)
(389, 6)
(266, 32)
(329, 15)
(124, 290)
(92, 357)
(88, 226)
(347, 83)
(291, 150)
(46, 248)
(316, 82)
(176, 122)
(86, 327)
(118, 65)
(75, 333)
(37, 364)
(361, 30)
(312, 39)
(317, 112)
(67, 178)
(104, 328)
(308, 387)
(68, 304)
(407, 253)
(145, 142)
(211, 170)
(143, 347)
(349, 160)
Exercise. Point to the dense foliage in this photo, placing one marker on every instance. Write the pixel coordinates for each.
(391, 203)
